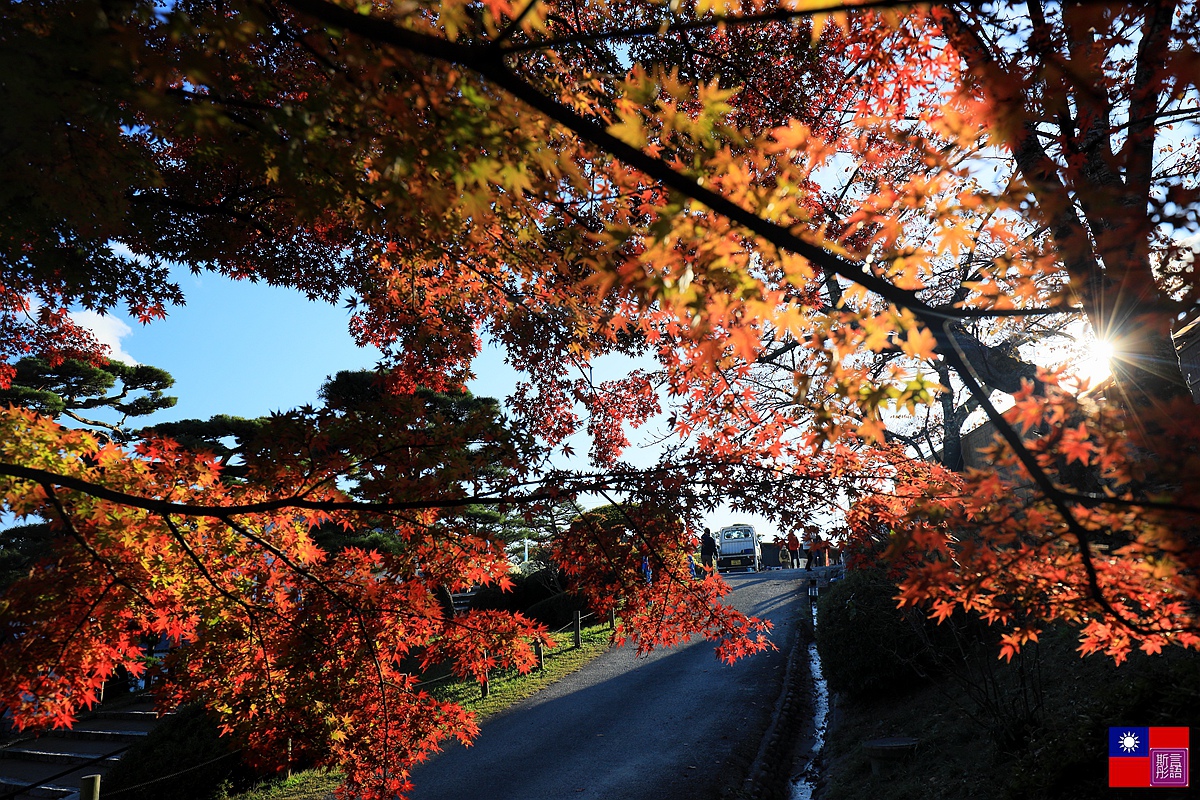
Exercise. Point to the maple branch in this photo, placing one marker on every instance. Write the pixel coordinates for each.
(515, 24)
(48, 487)
(323, 585)
(1051, 492)
(1139, 145)
(1098, 500)
(48, 478)
(251, 615)
(713, 21)
(204, 571)
(490, 64)
(83, 619)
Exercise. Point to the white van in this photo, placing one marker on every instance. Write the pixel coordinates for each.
(739, 548)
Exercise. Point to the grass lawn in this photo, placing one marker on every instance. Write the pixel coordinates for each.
(505, 690)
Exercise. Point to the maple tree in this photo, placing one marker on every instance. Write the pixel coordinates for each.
(803, 268)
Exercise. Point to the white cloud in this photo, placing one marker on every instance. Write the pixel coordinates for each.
(108, 330)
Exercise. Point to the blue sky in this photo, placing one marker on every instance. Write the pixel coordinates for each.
(249, 349)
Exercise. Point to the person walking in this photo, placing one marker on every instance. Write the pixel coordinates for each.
(708, 550)
(793, 546)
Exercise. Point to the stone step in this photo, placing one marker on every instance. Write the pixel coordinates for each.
(100, 734)
(46, 791)
(52, 780)
(57, 760)
(462, 600)
(55, 750)
(128, 716)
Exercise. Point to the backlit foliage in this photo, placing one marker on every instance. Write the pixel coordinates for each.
(809, 224)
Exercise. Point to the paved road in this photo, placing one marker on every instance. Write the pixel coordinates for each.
(662, 727)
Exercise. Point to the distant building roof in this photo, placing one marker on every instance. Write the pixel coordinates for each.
(1187, 345)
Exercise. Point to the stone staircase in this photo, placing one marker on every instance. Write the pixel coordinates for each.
(462, 600)
(51, 765)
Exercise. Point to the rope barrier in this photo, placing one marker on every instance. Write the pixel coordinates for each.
(510, 672)
(183, 771)
(24, 789)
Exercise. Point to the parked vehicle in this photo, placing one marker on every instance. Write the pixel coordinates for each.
(739, 548)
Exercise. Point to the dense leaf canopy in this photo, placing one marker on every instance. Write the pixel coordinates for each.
(832, 235)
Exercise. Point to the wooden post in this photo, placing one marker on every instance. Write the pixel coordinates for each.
(484, 688)
(539, 654)
(612, 619)
(578, 630)
(89, 787)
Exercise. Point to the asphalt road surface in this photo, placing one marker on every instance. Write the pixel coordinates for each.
(672, 725)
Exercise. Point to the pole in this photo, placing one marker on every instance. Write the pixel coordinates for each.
(578, 630)
(539, 654)
(89, 787)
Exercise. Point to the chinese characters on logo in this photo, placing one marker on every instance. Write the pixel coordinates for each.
(1169, 767)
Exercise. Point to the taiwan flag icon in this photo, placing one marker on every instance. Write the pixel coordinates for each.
(1147, 757)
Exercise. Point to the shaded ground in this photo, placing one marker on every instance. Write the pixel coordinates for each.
(1061, 755)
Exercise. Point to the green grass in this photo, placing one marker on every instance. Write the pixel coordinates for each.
(312, 784)
(505, 690)
(508, 689)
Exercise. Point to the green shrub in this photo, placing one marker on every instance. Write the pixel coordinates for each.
(1066, 759)
(526, 592)
(557, 610)
(186, 745)
(867, 645)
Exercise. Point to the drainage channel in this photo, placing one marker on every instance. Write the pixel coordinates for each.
(804, 782)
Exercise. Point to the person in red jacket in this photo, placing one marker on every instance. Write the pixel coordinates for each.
(793, 546)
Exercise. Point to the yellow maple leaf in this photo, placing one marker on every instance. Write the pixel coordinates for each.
(920, 343)
(955, 239)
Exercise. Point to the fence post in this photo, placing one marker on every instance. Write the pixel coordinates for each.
(89, 787)
(612, 619)
(578, 630)
(484, 687)
(541, 656)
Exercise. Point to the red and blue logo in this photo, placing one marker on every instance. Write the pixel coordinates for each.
(1147, 757)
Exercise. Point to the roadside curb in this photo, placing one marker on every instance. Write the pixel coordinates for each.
(769, 776)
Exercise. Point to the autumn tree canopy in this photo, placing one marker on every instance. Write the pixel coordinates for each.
(815, 222)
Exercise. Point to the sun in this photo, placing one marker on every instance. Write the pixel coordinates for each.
(1129, 742)
(1095, 362)
(1103, 350)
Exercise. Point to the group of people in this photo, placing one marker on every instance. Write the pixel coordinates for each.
(789, 551)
